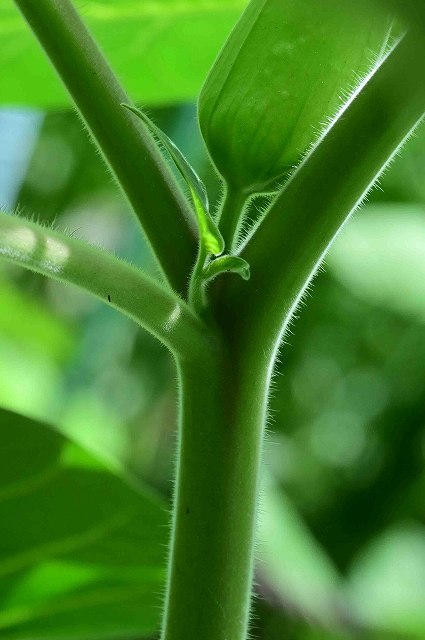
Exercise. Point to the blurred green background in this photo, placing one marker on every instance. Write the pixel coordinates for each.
(341, 550)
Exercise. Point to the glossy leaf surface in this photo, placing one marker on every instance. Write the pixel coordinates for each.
(81, 553)
(280, 76)
(161, 50)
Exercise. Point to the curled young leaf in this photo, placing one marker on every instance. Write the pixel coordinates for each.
(226, 264)
(278, 78)
(209, 234)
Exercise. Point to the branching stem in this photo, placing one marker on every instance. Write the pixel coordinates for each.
(224, 383)
(124, 141)
(126, 288)
(293, 236)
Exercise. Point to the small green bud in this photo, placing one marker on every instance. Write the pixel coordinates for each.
(279, 78)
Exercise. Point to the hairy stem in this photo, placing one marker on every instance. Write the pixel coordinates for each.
(211, 564)
(283, 254)
(151, 305)
(126, 145)
(300, 225)
(196, 289)
(229, 216)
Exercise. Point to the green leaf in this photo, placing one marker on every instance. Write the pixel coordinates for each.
(386, 585)
(208, 231)
(161, 50)
(291, 239)
(45, 332)
(182, 164)
(292, 563)
(279, 78)
(82, 553)
(226, 264)
(380, 257)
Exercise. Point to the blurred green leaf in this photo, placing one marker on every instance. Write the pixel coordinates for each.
(45, 331)
(380, 257)
(81, 553)
(161, 50)
(387, 582)
(292, 562)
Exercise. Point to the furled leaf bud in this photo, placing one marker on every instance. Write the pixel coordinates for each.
(279, 78)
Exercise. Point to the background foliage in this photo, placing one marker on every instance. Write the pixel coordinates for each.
(342, 536)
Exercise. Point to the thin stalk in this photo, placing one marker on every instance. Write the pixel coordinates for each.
(113, 281)
(229, 215)
(123, 139)
(196, 288)
(211, 564)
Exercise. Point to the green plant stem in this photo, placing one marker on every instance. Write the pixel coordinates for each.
(296, 232)
(196, 287)
(124, 287)
(211, 569)
(229, 215)
(211, 564)
(126, 145)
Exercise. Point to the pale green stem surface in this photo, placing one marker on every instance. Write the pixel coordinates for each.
(124, 141)
(196, 289)
(229, 216)
(211, 565)
(124, 287)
